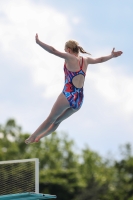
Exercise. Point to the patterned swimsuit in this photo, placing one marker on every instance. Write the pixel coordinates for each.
(74, 95)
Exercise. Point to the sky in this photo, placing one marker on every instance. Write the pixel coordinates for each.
(31, 79)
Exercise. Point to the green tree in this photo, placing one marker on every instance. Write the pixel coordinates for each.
(97, 174)
(123, 184)
(69, 175)
(9, 132)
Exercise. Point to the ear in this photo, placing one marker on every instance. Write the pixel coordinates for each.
(69, 50)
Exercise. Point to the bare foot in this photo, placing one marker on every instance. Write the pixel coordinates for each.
(31, 139)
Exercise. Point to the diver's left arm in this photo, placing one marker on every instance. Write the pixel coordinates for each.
(113, 54)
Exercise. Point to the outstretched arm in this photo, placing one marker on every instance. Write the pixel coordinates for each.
(51, 49)
(113, 54)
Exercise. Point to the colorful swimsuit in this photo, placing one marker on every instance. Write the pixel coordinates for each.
(74, 95)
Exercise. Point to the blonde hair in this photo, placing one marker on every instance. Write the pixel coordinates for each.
(75, 47)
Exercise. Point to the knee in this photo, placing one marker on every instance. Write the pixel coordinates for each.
(50, 120)
(57, 122)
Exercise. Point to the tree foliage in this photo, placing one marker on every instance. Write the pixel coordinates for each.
(69, 175)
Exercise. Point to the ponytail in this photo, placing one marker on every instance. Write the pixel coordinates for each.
(82, 50)
(75, 47)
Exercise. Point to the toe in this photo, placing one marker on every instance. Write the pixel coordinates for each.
(26, 141)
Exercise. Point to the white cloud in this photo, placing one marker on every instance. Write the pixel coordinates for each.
(114, 86)
(23, 20)
(76, 20)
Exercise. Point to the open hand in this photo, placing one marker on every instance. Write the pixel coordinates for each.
(36, 38)
(116, 53)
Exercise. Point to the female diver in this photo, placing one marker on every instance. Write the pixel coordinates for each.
(71, 98)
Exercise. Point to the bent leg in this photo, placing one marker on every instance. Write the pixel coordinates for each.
(59, 107)
(67, 113)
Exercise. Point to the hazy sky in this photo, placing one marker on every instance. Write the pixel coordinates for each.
(31, 79)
